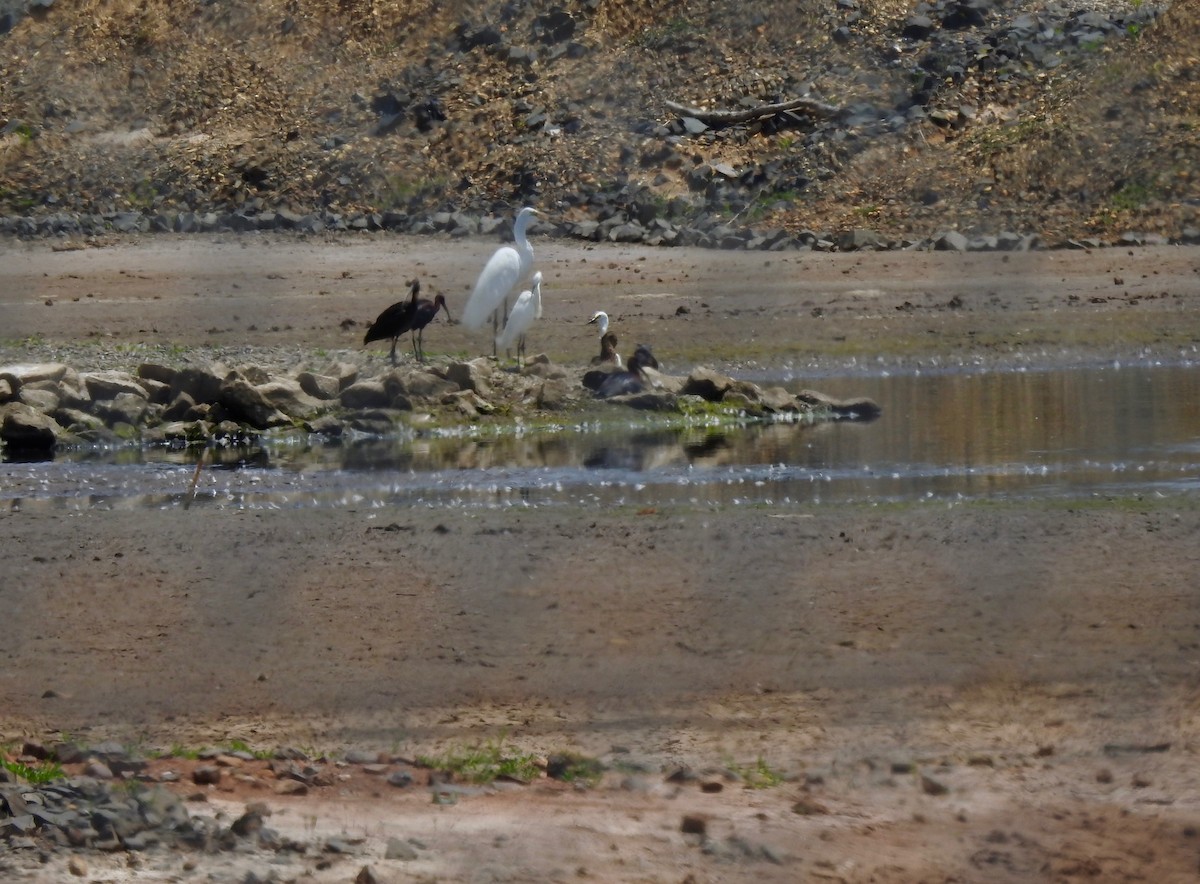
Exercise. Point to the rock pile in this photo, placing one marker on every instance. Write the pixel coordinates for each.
(89, 811)
(43, 406)
(116, 804)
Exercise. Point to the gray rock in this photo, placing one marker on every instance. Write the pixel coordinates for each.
(156, 391)
(109, 384)
(130, 222)
(98, 770)
(247, 404)
(777, 399)
(707, 384)
(289, 397)
(650, 400)
(180, 407)
(7, 393)
(39, 397)
(369, 393)
(629, 232)
(201, 384)
(77, 421)
(318, 386)
(471, 375)
(415, 383)
(555, 394)
(853, 240)
(26, 428)
(326, 425)
(400, 779)
(255, 374)
(126, 408)
(28, 373)
(951, 241)
(468, 403)
(917, 27)
(400, 850)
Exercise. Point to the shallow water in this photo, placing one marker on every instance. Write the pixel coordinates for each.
(944, 435)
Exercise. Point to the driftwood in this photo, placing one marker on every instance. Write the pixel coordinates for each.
(729, 117)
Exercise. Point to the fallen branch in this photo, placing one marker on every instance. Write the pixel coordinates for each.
(728, 117)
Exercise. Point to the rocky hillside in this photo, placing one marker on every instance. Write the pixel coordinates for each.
(901, 119)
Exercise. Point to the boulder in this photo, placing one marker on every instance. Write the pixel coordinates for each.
(255, 374)
(290, 398)
(202, 384)
(124, 408)
(246, 403)
(109, 384)
(28, 373)
(778, 399)
(369, 393)
(859, 238)
(649, 400)
(471, 375)
(951, 241)
(179, 407)
(150, 371)
(23, 427)
(39, 396)
(318, 386)
(852, 409)
(707, 384)
(415, 383)
(77, 421)
(156, 391)
(468, 403)
(554, 395)
(663, 382)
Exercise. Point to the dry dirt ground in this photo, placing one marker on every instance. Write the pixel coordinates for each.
(994, 691)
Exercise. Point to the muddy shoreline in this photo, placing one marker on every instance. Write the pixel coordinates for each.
(999, 649)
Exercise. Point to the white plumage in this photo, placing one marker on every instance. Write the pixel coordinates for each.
(524, 313)
(503, 271)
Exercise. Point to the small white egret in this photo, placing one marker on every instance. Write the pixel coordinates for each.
(522, 316)
(504, 270)
(608, 341)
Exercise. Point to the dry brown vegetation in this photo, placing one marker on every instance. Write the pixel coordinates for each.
(121, 105)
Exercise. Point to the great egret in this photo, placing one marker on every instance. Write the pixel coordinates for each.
(395, 320)
(527, 309)
(424, 314)
(504, 270)
(608, 341)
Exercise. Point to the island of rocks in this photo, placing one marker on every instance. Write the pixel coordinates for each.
(51, 405)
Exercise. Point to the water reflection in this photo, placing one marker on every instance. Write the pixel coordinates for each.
(1049, 433)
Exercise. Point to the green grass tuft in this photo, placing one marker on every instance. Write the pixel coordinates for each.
(484, 763)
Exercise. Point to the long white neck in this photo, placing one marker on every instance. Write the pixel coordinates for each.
(524, 249)
(537, 296)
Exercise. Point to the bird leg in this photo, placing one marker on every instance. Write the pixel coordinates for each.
(392, 355)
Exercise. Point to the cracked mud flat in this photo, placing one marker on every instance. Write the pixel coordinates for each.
(966, 692)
